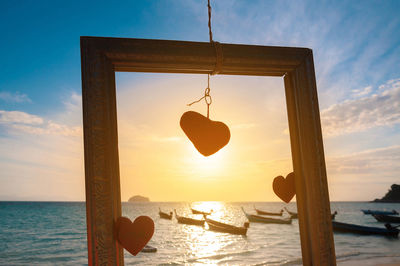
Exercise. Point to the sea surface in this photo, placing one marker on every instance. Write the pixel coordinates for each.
(54, 233)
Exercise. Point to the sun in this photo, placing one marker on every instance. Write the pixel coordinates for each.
(203, 166)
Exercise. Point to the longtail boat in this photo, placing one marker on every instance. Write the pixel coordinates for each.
(165, 215)
(234, 231)
(187, 220)
(386, 218)
(200, 212)
(364, 230)
(149, 249)
(393, 212)
(260, 212)
(226, 228)
(268, 220)
(293, 215)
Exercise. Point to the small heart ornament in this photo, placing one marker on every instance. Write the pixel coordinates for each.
(206, 135)
(134, 236)
(284, 188)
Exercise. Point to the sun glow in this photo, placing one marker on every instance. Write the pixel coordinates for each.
(201, 166)
(156, 154)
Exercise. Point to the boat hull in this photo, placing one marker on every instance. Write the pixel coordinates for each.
(164, 215)
(260, 212)
(258, 219)
(187, 220)
(225, 228)
(200, 212)
(293, 215)
(363, 230)
(386, 218)
(230, 230)
(149, 249)
(190, 221)
(380, 212)
(266, 220)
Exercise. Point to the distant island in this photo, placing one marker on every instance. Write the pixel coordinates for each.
(392, 196)
(138, 198)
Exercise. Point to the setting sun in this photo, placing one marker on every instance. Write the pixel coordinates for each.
(202, 166)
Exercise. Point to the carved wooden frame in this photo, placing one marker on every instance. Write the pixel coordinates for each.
(101, 57)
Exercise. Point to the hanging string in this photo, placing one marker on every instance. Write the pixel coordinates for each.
(207, 97)
(209, 21)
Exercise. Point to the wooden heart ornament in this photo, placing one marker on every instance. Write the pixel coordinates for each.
(284, 188)
(206, 135)
(134, 236)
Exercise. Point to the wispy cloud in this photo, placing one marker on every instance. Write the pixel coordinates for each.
(380, 109)
(380, 161)
(17, 117)
(48, 128)
(39, 153)
(14, 97)
(18, 122)
(365, 53)
(364, 175)
(362, 92)
(361, 175)
(74, 103)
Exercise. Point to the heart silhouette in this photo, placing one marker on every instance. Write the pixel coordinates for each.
(206, 135)
(134, 236)
(284, 188)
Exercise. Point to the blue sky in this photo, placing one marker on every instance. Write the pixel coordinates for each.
(356, 47)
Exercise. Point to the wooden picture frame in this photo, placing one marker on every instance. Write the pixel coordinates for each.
(101, 57)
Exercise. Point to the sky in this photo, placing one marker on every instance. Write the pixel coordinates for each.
(356, 47)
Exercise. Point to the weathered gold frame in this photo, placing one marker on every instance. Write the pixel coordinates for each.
(101, 57)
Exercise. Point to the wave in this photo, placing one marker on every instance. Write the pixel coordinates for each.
(364, 256)
(214, 257)
(347, 256)
(344, 257)
(297, 261)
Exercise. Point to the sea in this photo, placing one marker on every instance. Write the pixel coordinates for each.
(54, 233)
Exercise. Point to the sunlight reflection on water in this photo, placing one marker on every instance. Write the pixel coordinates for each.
(188, 244)
(265, 244)
(203, 243)
(44, 233)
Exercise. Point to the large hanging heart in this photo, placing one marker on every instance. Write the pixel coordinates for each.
(206, 135)
(284, 188)
(134, 236)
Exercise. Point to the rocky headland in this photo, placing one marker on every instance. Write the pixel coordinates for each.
(392, 196)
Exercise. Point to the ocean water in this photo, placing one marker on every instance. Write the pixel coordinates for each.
(54, 233)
